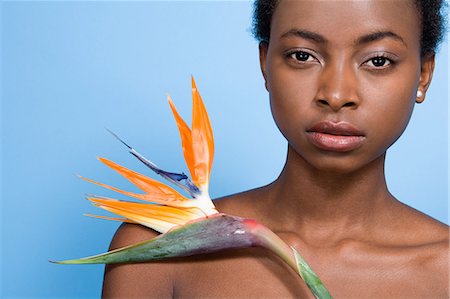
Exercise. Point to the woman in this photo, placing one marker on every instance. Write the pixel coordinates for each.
(343, 78)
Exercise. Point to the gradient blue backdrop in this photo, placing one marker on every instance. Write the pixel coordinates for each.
(70, 69)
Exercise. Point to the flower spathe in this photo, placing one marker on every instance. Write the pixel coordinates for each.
(166, 207)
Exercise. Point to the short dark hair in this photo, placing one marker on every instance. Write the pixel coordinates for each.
(431, 14)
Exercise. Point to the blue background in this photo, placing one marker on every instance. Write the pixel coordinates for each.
(70, 69)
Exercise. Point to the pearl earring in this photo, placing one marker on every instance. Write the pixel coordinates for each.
(419, 93)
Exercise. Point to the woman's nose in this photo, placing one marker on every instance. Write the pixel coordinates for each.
(337, 87)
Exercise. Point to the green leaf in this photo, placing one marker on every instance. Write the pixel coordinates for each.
(206, 235)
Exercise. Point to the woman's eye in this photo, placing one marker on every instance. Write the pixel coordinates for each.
(302, 56)
(379, 62)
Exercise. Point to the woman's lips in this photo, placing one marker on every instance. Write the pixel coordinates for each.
(337, 137)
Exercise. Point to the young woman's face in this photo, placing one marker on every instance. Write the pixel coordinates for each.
(343, 77)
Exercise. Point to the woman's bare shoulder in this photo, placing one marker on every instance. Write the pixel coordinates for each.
(420, 227)
(424, 242)
(436, 238)
(434, 260)
(150, 280)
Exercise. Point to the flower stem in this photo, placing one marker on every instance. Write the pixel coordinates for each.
(268, 239)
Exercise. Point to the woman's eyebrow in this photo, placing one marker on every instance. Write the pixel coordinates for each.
(309, 35)
(364, 39)
(378, 35)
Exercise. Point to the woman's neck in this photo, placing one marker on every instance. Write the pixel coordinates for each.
(328, 205)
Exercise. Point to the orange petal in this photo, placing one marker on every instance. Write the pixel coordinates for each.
(155, 191)
(202, 139)
(186, 140)
(154, 216)
(153, 198)
(158, 225)
(147, 209)
(109, 218)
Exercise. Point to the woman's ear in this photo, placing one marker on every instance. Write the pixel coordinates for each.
(426, 74)
(263, 48)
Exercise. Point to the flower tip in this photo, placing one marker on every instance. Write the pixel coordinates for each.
(106, 161)
(67, 262)
(172, 105)
(194, 86)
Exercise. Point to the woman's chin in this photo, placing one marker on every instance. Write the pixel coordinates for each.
(339, 163)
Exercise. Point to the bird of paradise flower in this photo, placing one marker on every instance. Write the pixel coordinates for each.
(188, 226)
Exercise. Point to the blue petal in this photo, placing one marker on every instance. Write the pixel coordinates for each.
(173, 177)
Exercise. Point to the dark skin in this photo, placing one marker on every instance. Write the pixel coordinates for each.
(334, 207)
